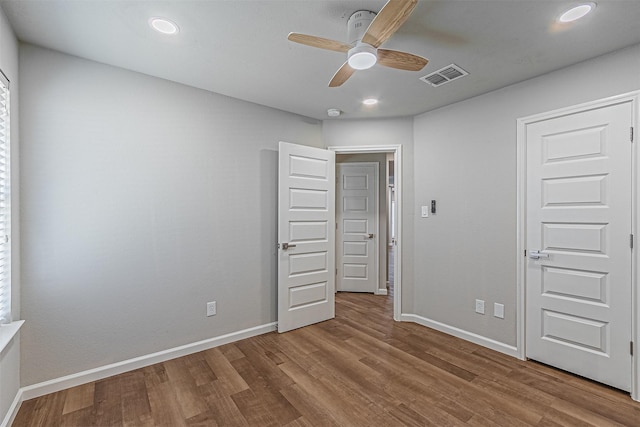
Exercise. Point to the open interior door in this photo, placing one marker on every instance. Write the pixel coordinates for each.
(306, 236)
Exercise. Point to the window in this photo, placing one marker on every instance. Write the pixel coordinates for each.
(5, 204)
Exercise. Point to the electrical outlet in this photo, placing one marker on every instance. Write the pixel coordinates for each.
(211, 308)
(480, 306)
(498, 310)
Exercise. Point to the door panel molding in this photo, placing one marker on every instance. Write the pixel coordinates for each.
(588, 192)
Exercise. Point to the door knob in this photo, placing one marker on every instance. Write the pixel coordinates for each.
(370, 235)
(537, 255)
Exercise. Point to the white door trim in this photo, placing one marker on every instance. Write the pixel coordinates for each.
(521, 244)
(397, 158)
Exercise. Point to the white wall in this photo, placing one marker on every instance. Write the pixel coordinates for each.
(10, 356)
(465, 158)
(397, 131)
(142, 200)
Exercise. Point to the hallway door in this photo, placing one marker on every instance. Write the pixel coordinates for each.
(357, 217)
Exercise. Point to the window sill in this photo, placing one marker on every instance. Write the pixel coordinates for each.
(8, 331)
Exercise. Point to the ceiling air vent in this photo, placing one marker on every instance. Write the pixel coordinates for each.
(444, 75)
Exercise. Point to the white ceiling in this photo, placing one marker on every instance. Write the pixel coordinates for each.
(239, 48)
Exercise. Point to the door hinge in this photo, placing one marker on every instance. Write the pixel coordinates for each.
(631, 347)
(631, 133)
(336, 271)
(631, 240)
(525, 252)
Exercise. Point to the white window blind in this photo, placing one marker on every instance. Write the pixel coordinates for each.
(5, 205)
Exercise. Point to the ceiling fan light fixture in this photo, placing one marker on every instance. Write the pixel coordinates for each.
(163, 25)
(362, 56)
(577, 12)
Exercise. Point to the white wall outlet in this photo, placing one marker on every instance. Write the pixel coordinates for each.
(211, 308)
(498, 310)
(480, 306)
(425, 212)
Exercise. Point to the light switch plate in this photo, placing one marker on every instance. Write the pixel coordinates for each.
(480, 306)
(425, 212)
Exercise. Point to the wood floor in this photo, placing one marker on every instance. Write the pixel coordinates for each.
(360, 369)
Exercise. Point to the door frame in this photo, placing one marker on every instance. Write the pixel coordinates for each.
(521, 221)
(397, 158)
(376, 246)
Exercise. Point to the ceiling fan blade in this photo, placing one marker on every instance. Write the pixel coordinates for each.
(319, 42)
(401, 60)
(388, 20)
(341, 75)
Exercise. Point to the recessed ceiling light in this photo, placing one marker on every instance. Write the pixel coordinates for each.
(163, 25)
(577, 12)
(370, 101)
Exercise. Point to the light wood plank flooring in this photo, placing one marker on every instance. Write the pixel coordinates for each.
(360, 369)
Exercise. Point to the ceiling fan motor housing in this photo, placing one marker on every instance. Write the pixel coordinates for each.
(357, 25)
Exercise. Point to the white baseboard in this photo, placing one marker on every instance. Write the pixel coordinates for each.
(57, 384)
(461, 333)
(13, 410)
(381, 292)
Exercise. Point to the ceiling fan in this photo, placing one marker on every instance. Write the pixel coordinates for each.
(366, 32)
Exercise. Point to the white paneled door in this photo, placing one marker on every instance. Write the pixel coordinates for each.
(357, 217)
(578, 238)
(306, 236)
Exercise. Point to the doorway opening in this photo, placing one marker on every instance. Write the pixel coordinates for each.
(390, 255)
